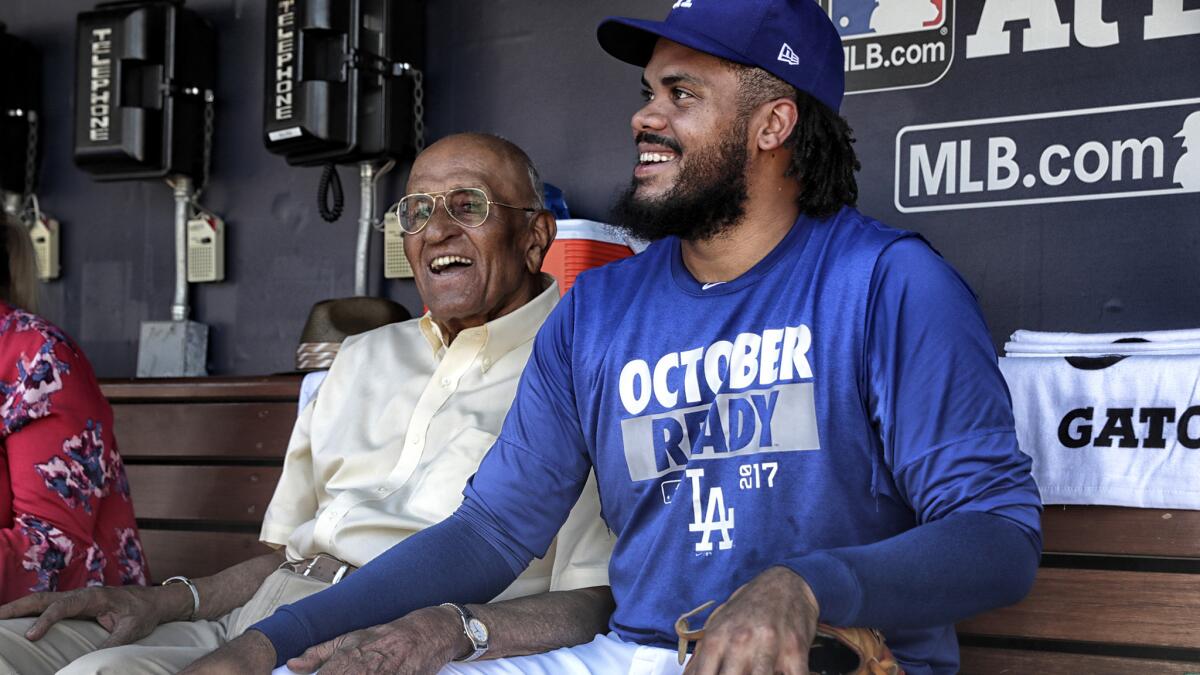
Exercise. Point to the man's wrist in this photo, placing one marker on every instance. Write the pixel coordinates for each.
(800, 584)
(257, 649)
(460, 646)
(833, 585)
(175, 603)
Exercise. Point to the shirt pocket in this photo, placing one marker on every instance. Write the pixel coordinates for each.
(440, 480)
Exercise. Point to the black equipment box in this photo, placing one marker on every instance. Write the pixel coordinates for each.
(144, 69)
(337, 89)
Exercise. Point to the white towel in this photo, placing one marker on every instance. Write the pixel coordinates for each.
(1073, 423)
(1041, 337)
(1165, 342)
(1020, 349)
(1037, 343)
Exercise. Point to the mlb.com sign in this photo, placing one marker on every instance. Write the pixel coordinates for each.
(893, 44)
(1139, 150)
(897, 44)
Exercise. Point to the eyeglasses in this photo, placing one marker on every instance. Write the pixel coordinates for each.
(468, 207)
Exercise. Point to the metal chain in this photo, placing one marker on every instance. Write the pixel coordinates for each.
(31, 148)
(418, 109)
(206, 161)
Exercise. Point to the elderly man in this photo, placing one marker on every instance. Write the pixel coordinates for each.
(791, 409)
(401, 423)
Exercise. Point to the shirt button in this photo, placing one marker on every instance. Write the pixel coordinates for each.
(445, 382)
(381, 490)
(416, 440)
(487, 363)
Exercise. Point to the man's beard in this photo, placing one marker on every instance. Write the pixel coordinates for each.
(708, 198)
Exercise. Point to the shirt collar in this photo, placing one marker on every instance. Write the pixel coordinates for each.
(503, 334)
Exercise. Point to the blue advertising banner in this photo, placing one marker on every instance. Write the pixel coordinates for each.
(1030, 139)
(1138, 150)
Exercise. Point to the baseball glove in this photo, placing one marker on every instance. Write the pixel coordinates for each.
(835, 651)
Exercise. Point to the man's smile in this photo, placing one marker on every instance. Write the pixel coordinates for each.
(445, 264)
(654, 159)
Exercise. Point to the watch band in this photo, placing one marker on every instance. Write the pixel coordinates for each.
(474, 629)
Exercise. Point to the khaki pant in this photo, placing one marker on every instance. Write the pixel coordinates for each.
(69, 648)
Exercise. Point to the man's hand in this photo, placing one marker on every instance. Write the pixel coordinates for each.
(417, 643)
(128, 613)
(249, 654)
(766, 627)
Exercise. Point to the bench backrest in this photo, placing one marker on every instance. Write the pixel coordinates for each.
(203, 457)
(1118, 591)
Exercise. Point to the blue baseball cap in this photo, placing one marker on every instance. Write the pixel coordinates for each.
(793, 40)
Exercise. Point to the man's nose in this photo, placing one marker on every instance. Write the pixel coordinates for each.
(648, 117)
(440, 225)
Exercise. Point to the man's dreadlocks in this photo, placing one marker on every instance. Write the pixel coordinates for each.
(822, 144)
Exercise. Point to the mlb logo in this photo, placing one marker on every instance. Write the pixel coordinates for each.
(893, 44)
(856, 18)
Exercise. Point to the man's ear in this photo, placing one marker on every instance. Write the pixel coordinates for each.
(777, 120)
(542, 230)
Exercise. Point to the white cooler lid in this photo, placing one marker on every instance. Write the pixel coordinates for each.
(578, 228)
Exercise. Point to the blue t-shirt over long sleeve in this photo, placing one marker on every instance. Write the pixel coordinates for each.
(810, 413)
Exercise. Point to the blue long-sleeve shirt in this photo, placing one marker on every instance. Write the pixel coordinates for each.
(837, 410)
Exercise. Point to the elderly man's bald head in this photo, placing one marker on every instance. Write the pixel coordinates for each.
(470, 275)
(510, 153)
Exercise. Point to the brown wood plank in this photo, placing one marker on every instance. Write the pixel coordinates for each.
(1116, 530)
(1139, 608)
(197, 554)
(254, 430)
(986, 661)
(215, 493)
(264, 388)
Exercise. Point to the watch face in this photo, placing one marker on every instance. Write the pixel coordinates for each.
(478, 631)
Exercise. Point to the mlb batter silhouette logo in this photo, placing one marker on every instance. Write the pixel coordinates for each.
(905, 16)
(1187, 169)
(886, 17)
(893, 44)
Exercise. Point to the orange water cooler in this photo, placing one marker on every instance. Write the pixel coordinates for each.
(581, 245)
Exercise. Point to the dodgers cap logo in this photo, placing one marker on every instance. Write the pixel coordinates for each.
(793, 40)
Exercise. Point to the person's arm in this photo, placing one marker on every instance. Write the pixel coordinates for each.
(949, 447)
(949, 451)
(512, 508)
(61, 472)
(542, 622)
(432, 636)
(427, 639)
(130, 613)
(932, 575)
(294, 501)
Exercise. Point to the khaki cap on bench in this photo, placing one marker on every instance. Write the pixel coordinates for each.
(332, 321)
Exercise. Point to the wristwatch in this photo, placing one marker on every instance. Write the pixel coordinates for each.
(474, 629)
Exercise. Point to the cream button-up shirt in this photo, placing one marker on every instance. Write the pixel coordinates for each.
(399, 425)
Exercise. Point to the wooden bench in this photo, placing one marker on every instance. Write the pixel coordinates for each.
(1118, 592)
(203, 457)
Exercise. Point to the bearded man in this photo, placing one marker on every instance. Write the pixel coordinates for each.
(792, 409)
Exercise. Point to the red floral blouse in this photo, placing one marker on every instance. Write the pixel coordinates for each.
(66, 520)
